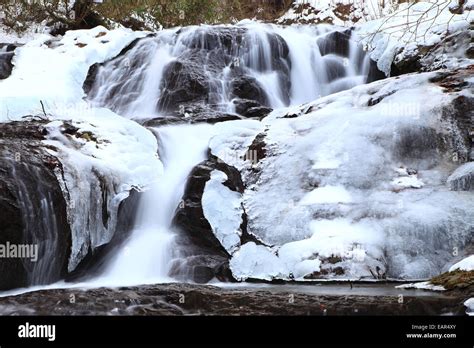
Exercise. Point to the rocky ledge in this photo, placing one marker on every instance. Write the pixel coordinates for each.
(188, 299)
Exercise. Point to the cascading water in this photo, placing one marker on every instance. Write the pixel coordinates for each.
(146, 256)
(209, 64)
(179, 71)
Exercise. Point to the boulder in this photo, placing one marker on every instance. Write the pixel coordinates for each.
(6, 56)
(183, 82)
(246, 87)
(336, 42)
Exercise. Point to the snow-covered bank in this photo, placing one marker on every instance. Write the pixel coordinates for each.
(416, 30)
(52, 70)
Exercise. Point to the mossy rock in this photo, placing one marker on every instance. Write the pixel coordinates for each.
(455, 280)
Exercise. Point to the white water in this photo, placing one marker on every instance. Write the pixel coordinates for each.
(131, 84)
(147, 255)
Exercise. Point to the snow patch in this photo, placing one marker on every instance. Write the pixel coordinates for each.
(53, 70)
(422, 286)
(466, 264)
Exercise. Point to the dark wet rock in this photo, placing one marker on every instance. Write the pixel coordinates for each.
(337, 42)
(207, 117)
(6, 56)
(374, 73)
(225, 39)
(195, 233)
(246, 87)
(406, 65)
(258, 147)
(33, 207)
(251, 108)
(189, 299)
(201, 268)
(183, 82)
(258, 112)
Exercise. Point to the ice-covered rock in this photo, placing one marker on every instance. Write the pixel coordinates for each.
(462, 178)
(326, 199)
(102, 160)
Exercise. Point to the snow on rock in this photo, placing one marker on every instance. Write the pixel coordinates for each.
(256, 261)
(466, 264)
(462, 178)
(422, 286)
(338, 12)
(103, 157)
(323, 197)
(223, 210)
(53, 70)
(326, 194)
(410, 29)
(232, 140)
(470, 306)
(408, 181)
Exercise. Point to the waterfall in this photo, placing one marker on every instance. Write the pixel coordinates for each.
(146, 256)
(292, 65)
(179, 71)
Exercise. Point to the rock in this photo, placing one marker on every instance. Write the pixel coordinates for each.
(212, 60)
(183, 82)
(89, 86)
(223, 39)
(193, 299)
(447, 53)
(196, 235)
(258, 112)
(6, 56)
(462, 178)
(250, 108)
(336, 42)
(246, 87)
(207, 116)
(33, 207)
(374, 73)
(34, 198)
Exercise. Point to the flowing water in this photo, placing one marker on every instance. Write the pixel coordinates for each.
(292, 65)
(147, 255)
